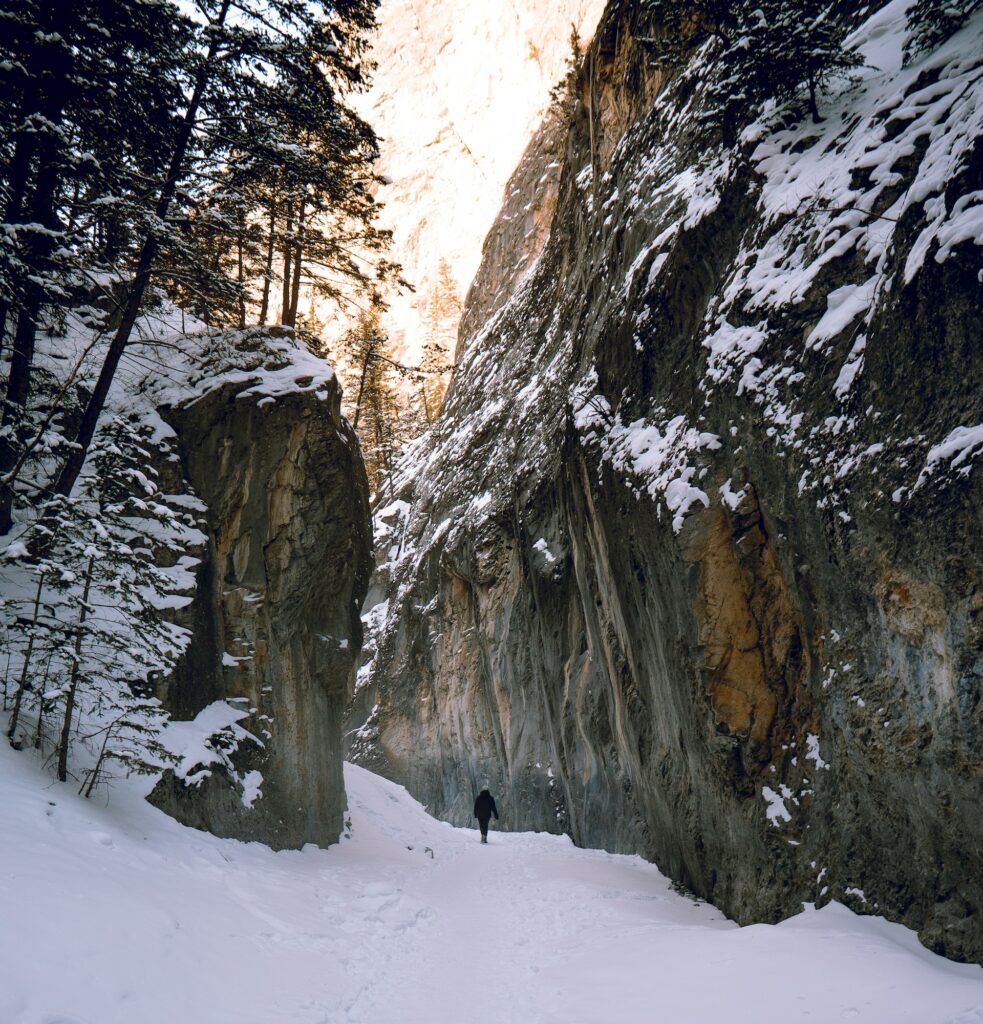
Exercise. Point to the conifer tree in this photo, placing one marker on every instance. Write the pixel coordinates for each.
(97, 633)
(931, 22)
(371, 379)
(443, 316)
(153, 145)
(807, 38)
(85, 90)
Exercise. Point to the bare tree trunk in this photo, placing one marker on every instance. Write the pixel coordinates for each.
(288, 248)
(66, 726)
(298, 263)
(813, 107)
(22, 682)
(241, 272)
(264, 309)
(141, 278)
(97, 767)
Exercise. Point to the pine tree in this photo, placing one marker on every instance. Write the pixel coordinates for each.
(97, 635)
(85, 90)
(371, 378)
(777, 47)
(443, 316)
(931, 22)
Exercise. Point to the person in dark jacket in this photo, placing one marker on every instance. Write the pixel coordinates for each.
(484, 808)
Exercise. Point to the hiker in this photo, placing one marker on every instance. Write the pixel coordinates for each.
(484, 808)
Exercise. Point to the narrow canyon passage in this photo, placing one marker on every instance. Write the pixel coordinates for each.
(569, 397)
(184, 926)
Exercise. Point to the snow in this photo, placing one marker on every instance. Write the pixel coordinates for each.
(843, 306)
(657, 449)
(776, 811)
(252, 788)
(543, 548)
(959, 449)
(123, 915)
(191, 740)
(812, 751)
(731, 498)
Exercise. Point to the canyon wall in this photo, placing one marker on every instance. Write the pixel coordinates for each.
(690, 565)
(458, 89)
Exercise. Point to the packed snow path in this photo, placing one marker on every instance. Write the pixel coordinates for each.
(118, 915)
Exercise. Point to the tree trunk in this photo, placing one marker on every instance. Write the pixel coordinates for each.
(66, 726)
(298, 263)
(145, 265)
(241, 279)
(97, 767)
(22, 682)
(4, 313)
(361, 389)
(288, 248)
(813, 108)
(39, 731)
(426, 404)
(264, 309)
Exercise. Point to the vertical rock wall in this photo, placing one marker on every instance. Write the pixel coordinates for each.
(691, 565)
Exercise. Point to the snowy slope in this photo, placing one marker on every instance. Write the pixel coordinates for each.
(459, 90)
(118, 915)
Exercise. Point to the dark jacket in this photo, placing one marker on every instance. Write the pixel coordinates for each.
(484, 806)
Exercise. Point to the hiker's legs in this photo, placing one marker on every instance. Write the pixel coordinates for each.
(483, 825)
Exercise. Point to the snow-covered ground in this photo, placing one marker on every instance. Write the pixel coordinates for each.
(113, 913)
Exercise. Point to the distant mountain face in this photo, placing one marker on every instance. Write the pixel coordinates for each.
(691, 564)
(457, 94)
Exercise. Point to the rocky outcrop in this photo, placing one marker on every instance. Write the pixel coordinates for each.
(275, 618)
(691, 565)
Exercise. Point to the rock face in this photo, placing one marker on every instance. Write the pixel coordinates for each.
(458, 90)
(691, 565)
(276, 613)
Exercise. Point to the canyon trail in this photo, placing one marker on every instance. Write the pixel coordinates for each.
(149, 921)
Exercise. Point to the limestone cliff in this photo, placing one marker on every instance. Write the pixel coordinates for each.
(691, 564)
(457, 91)
(276, 611)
